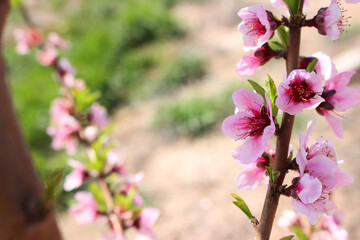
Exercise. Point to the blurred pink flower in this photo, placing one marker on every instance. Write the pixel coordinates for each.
(56, 41)
(64, 132)
(64, 68)
(253, 122)
(111, 236)
(257, 26)
(333, 225)
(299, 91)
(25, 39)
(71, 82)
(47, 55)
(85, 210)
(91, 133)
(98, 115)
(76, 177)
(147, 220)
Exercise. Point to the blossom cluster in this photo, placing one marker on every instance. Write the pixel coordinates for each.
(329, 228)
(76, 119)
(316, 84)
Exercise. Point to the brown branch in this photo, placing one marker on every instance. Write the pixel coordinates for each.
(24, 213)
(113, 216)
(283, 138)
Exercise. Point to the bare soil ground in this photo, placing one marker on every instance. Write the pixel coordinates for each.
(190, 180)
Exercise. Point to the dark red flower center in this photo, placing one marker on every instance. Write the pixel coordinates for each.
(255, 125)
(300, 91)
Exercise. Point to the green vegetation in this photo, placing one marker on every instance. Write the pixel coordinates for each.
(196, 115)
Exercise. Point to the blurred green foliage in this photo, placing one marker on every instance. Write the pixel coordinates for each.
(120, 48)
(196, 115)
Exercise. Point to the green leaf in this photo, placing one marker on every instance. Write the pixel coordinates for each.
(276, 174)
(99, 196)
(287, 237)
(283, 35)
(259, 89)
(53, 184)
(293, 6)
(299, 233)
(240, 203)
(270, 173)
(272, 94)
(291, 155)
(312, 65)
(15, 3)
(275, 45)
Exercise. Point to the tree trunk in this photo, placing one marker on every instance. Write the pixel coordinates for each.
(23, 212)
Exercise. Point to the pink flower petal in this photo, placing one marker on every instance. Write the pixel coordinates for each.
(334, 123)
(250, 177)
(311, 189)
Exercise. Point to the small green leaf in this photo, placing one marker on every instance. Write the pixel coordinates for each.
(270, 172)
(272, 94)
(312, 65)
(283, 35)
(259, 89)
(293, 6)
(53, 184)
(287, 237)
(299, 233)
(276, 174)
(291, 155)
(99, 196)
(240, 203)
(275, 45)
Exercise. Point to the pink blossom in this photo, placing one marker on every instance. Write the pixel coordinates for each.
(25, 39)
(288, 219)
(98, 115)
(338, 98)
(352, 1)
(248, 65)
(258, 25)
(147, 220)
(115, 161)
(252, 175)
(301, 90)
(85, 210)
(76, 177)
(325, 67)
(91, 133)
(329, 21)
(71, 82)
(253, 122)
(47, 55)
(64, 133)
(319, 174)
(56, 41)
(64, 68)
(59, 107)
(333, 225)
(111, 236)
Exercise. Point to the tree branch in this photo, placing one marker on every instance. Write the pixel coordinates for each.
(283, 139)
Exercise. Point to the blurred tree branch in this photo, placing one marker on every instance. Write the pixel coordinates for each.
(24, 213)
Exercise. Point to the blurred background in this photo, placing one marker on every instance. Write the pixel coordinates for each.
(166, 71)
